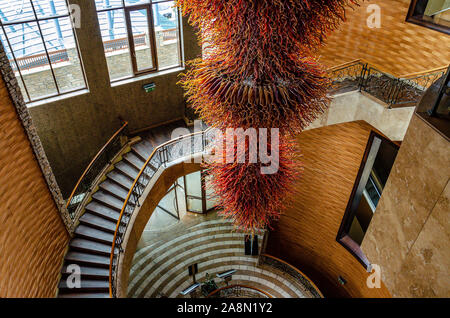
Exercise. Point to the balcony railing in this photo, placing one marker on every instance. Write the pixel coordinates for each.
(394, 91)
(39, 60)
(87, 180)
(309, 287)
(239, 291)
(162, 156)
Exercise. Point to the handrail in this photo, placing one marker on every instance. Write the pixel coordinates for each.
(391, 89)
(426, 72)
(131, 191)
(380, 68)
(241, 286)
(296, 270)
(94, 160)
(343, 65)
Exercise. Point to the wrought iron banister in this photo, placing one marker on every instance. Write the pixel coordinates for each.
(293, 272)
(92, 171)
(239, 291)
(390, 89)
(161, 156)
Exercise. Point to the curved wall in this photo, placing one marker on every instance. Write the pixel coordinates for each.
(141, 217)
(398, 47)
(33, 237)
(305, 235)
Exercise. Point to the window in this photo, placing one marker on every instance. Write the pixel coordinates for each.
(433, 14)
(199, 194)
(434, 107)
(41, 46)
(139, 36)
(377, 163)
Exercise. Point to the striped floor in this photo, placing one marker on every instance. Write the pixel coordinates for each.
(160, 269)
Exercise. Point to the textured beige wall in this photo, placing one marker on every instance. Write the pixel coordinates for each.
(305, 235)
(32, 235)
(398, 47)
(409, 236)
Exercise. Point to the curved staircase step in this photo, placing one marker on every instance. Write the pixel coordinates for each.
(94, 234)
(134, 160)
(89, 272)
(103, 211)
(143, 150)
(86, 285)
(114, 189)
(108, 200)
(127, 169)
(98, 222)
(89, 246)
(121, 179)
(87, 259)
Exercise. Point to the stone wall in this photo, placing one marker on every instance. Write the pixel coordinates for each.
(409, 235)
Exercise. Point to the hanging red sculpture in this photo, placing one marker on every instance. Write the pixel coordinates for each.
(258, 71)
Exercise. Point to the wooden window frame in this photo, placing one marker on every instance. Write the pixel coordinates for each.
(151, 32)
(127, 8)
(419, 20)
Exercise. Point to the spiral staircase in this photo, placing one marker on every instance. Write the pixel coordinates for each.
(90, 247)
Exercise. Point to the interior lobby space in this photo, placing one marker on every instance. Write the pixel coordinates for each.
(190, 151)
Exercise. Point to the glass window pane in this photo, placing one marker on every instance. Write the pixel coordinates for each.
(21, 86)
(193, 191)
(169, 203)
(115, 42)
(106, 4)
(16, 10)
(167, 34)
(32, 60)
(211, 199)
(13, 64)
(136, 2)
(141, 37)
(50, 8)
(63, 53)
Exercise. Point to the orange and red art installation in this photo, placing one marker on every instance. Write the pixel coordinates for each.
(258, 70)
